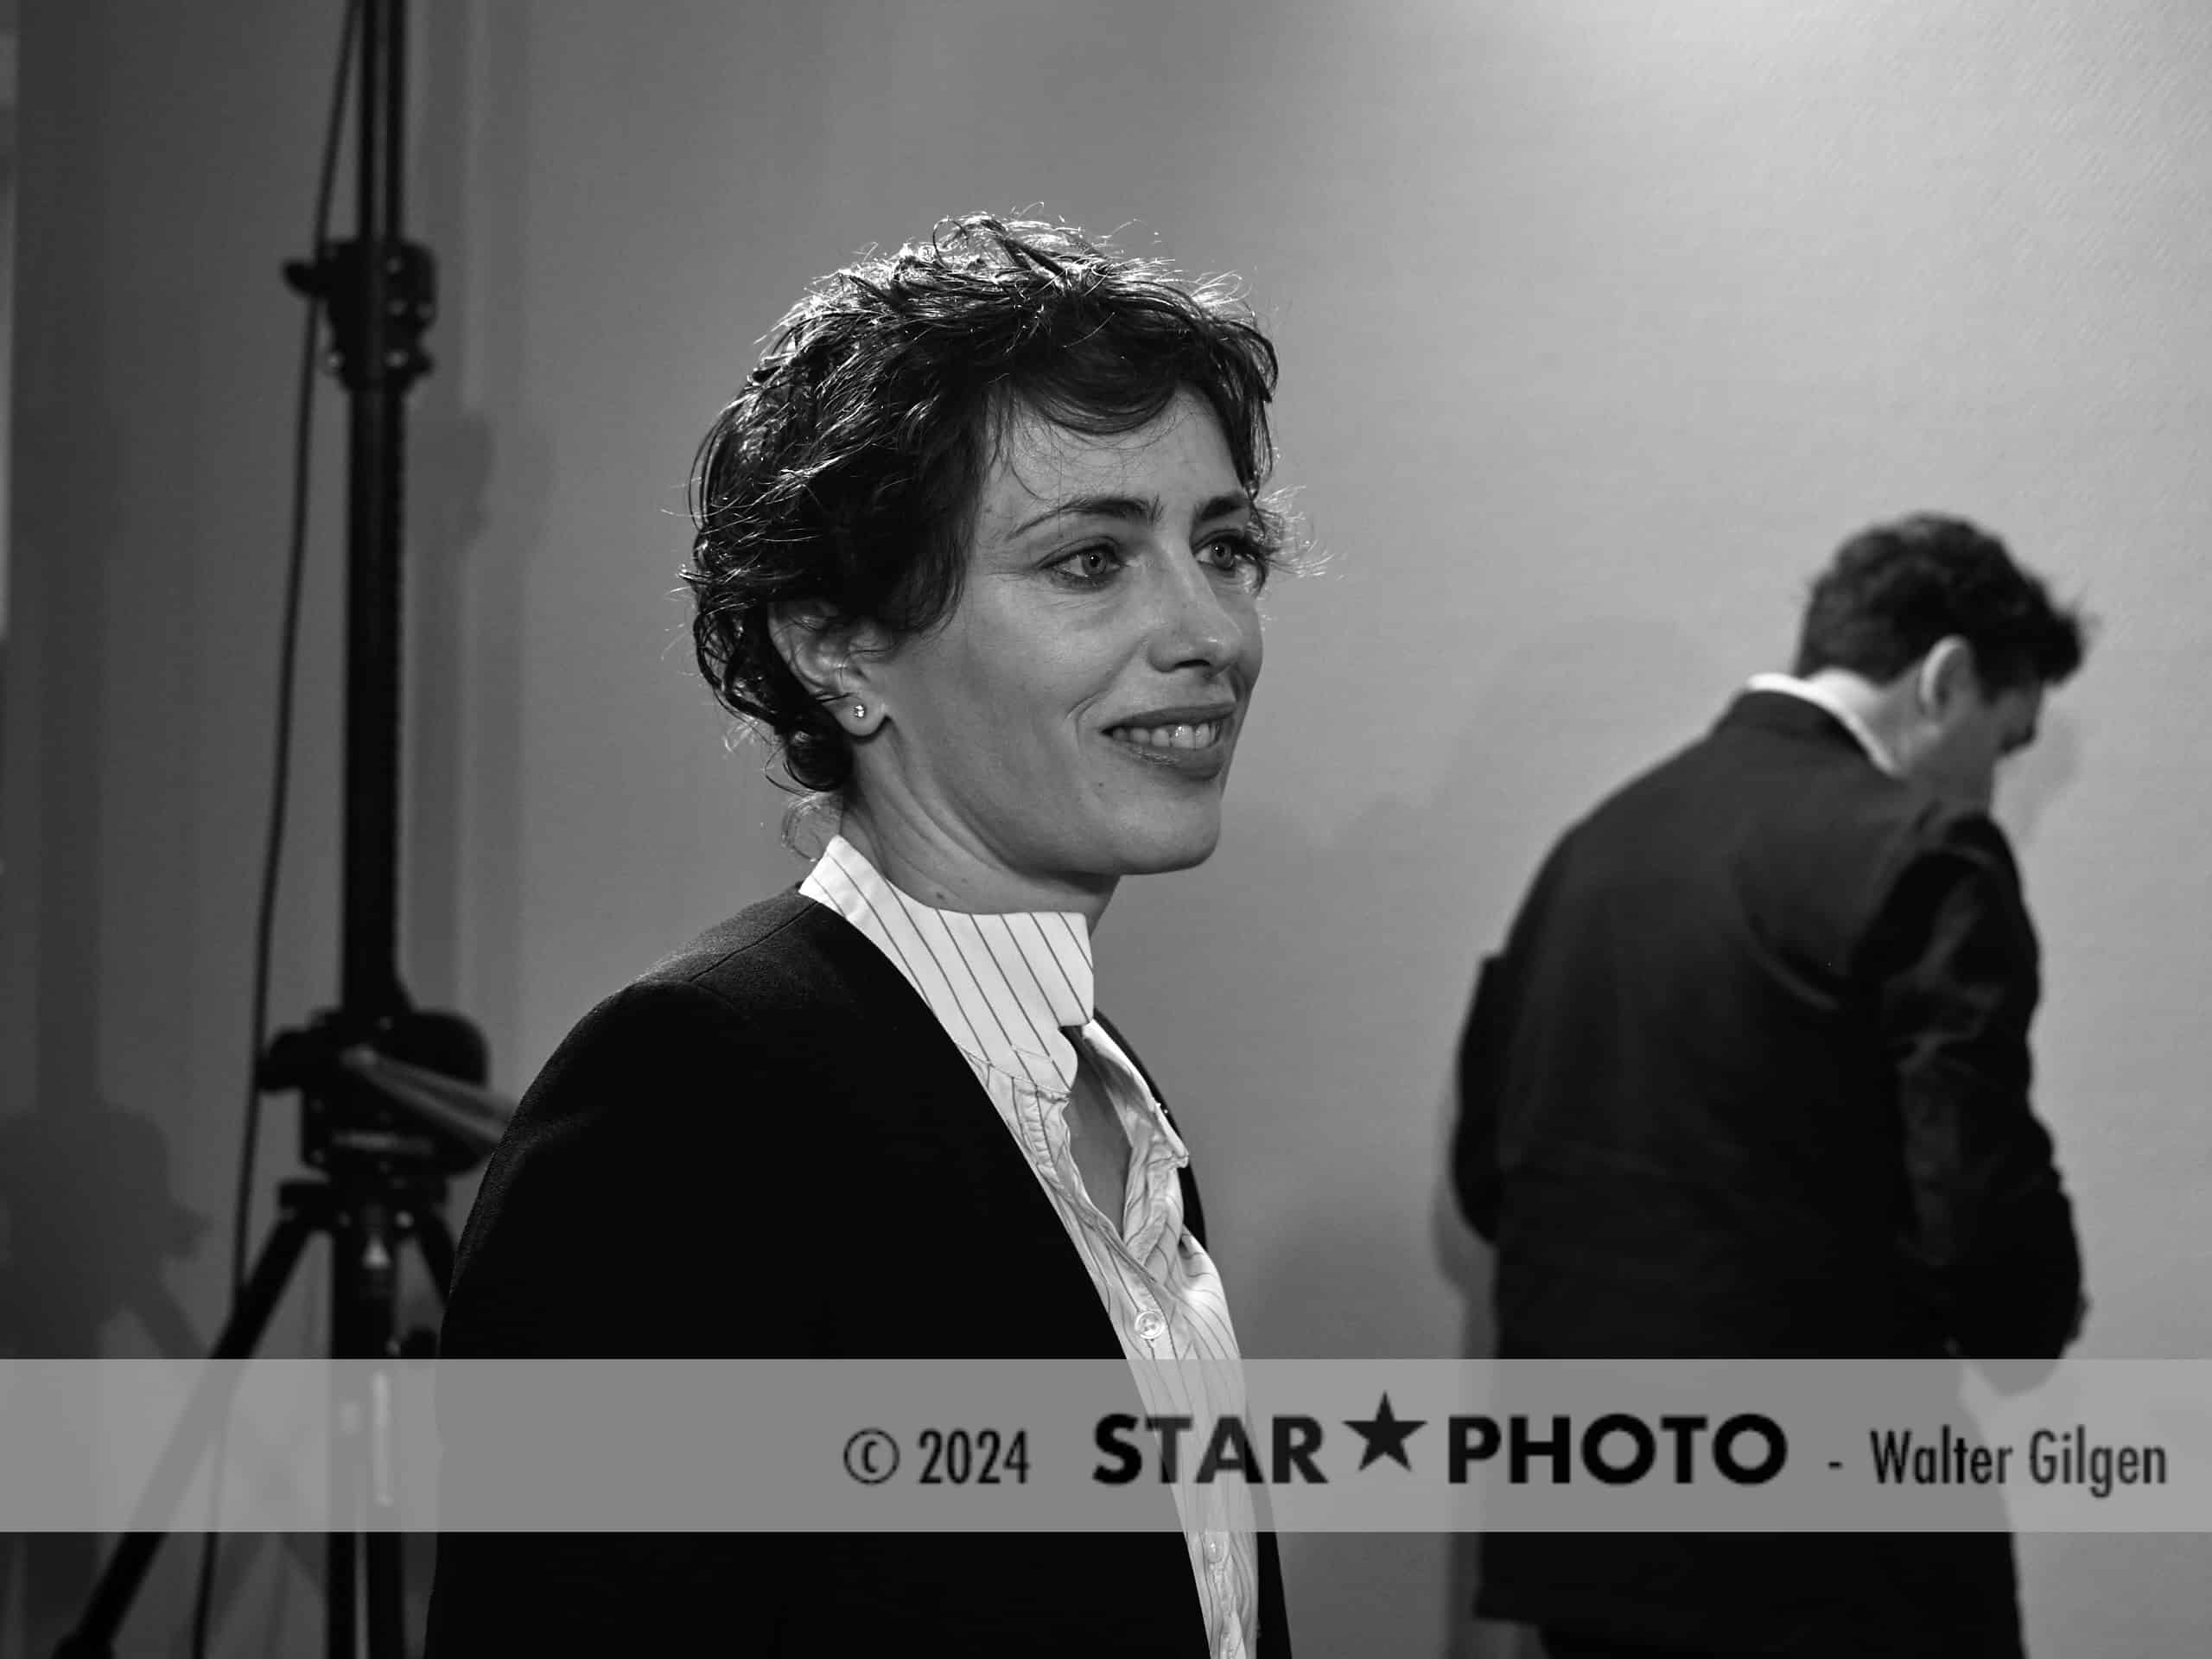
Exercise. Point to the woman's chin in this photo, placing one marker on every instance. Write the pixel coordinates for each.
(1160, 848)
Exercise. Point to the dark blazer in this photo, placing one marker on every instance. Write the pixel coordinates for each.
(755, 1150)
(1750, 1077)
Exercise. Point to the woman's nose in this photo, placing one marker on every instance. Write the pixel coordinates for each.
(1195, 627)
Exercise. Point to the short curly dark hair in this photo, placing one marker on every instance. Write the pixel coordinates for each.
(846, 474)
(1894, 590)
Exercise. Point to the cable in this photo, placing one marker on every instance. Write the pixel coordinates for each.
(281, 777)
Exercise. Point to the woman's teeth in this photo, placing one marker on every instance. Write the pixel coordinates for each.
(1171, 737)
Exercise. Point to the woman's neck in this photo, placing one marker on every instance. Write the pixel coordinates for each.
(938, 871)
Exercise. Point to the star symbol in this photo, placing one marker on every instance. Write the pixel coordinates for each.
(1385, 1435)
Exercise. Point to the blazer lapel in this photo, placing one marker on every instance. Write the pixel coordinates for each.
(952, 1154)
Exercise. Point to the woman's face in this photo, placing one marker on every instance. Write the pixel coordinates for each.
(1074, 719)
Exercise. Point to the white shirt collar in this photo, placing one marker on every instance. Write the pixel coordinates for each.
(1790, 685)
(1003, 986)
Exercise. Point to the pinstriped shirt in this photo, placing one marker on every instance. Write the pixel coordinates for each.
(1013, 992)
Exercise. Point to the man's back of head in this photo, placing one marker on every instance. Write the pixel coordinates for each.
(1941, 645)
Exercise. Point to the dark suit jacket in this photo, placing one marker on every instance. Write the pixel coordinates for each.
(749, 1152)
(1750, 1078)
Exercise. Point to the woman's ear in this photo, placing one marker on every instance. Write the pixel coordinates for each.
(835, 659)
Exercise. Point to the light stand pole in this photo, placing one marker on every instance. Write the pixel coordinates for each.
(391, 1100)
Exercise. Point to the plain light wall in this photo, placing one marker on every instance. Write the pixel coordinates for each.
(1602, 323)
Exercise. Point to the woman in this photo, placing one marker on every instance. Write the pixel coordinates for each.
(979, 548)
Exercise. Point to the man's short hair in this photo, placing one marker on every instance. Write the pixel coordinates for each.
(1894, 590)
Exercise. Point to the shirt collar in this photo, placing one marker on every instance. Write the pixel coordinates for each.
(1790, 685)
(1003, 986)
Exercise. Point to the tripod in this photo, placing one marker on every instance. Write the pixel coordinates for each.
(367, 1212)
(391, 1096)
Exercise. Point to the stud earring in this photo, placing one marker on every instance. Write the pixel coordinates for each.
(860, 711)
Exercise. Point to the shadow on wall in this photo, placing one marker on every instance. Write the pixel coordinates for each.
(85, 1187)
(89, 1219)
(1320, 1092)
(480, 479)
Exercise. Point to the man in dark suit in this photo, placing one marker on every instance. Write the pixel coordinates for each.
(1750, 1077)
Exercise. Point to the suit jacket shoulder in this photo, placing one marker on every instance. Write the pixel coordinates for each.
(772, 1100)
(766, 1145)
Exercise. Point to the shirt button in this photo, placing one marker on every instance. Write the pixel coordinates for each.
(1150, 1324)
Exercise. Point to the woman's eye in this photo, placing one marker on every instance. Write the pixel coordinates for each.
(1089, 567)
(1238, 555)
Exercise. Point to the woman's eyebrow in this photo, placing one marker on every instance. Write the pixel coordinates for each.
(1143, 510)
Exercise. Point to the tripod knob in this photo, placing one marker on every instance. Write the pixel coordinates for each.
(439, 1041)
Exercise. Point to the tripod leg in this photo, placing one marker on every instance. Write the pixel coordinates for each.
(366, 1267)
(338, 1601)
(387, 1596)
(432, 1234)
(94, 1636)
